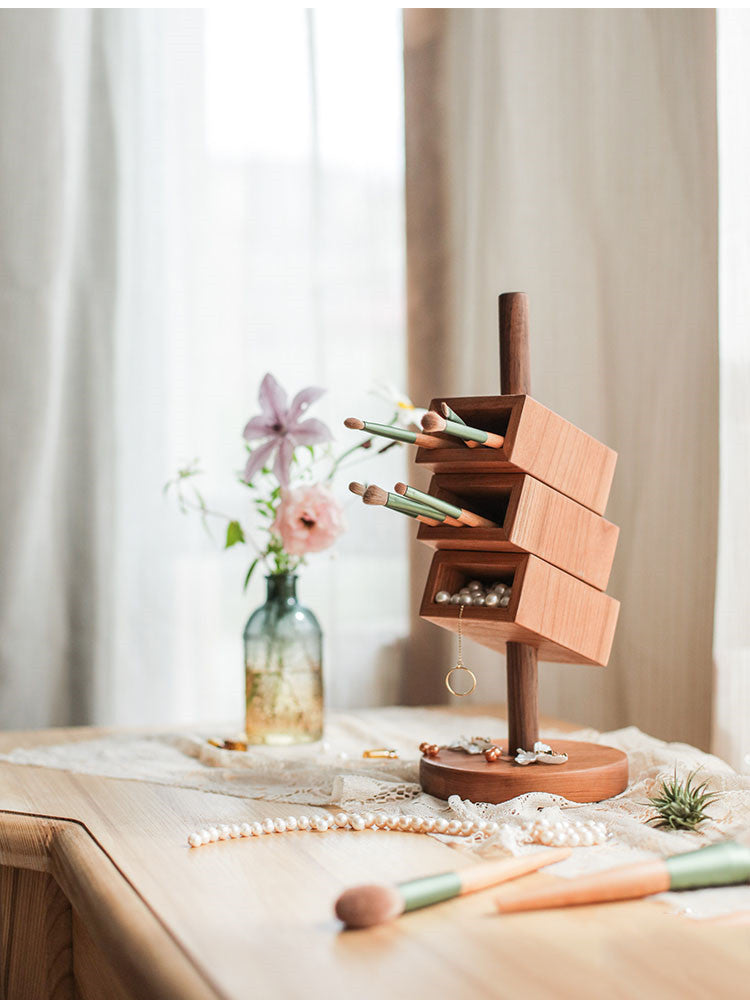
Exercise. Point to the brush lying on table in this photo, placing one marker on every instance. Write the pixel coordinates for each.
(397, 433)
(393, 501)
(719, 864)
(434, 423)
(367, 905)
(457, 515)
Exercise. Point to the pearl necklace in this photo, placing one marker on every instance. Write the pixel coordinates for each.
(562, 833)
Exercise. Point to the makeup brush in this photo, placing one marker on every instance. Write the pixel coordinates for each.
(397, 433)
(378, 497)
(433, 423)
(454, 514)
(450, 414)
(367, 905)
(719, 864)
(358, 489)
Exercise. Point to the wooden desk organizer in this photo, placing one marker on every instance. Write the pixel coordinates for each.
(546, 488)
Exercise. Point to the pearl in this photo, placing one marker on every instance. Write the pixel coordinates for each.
(205, 836)
(454, 827)
(491, 600)
(403, 822)
(464, 599)
(464, 591)
(573, 839)
(291, 822)
(442, 597)
(341, 820)
(587, 838)
(477, 599)
(303, 822)
(381, 820)
(224, 832)
(467, 827)
(268, 826)
(417, 824)
(369, 819)
(504, 601)
(441, 825)
(213, 834)
(320, 823)
(474, 584)
(279, 826)
(245, 830)
(195, 840)
(357, 822)
(256, 830)
(455, 598)
(234, 831)
(428, 825)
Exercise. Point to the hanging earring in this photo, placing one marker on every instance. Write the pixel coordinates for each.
(460, 664)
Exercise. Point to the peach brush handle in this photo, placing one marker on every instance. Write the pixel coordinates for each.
(490, 873)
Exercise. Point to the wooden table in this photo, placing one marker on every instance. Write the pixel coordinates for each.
(101, 898)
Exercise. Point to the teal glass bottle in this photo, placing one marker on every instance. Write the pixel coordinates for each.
(283, 668)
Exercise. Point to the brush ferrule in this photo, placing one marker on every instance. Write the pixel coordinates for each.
(390, 431)
(406, 506)
(464, 432)
(719, 864)
(443, 506)
(432, 889)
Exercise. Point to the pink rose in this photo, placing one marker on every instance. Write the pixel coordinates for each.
(308, 519)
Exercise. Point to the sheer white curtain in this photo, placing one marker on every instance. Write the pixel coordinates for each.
(731, 735)
(230, 202)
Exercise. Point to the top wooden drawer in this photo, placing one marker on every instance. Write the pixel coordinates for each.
(537, 441)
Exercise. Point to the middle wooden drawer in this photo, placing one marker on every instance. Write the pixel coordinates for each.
(530, 517)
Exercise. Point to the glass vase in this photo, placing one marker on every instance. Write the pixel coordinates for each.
(283, 668)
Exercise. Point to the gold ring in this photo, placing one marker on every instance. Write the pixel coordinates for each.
(381, 752)
(460, 694)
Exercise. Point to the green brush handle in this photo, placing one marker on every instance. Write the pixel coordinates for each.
(396, 502)
(452, 415)
(719, 864)
(431, 889)
(389, 431)
(467, 433)
(425, 498)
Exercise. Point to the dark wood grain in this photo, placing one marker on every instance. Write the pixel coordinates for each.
(515, 360)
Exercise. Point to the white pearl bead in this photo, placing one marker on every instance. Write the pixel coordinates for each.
(267, 825)
(492, 827)
(441, 825)
(454, 827)
(478, 600)
(491, 600)
(481, 825)
(416, 824)
(195, 840)
(357, 822)
(504, 601)
(303, 822)
(392, 822)
(558, 840)
(403, 822)
(573, 839)
(320, 823)
(205, 836)
(467, 827)
(291, 822)
(442, 597)
(545, 838)
(428, 825)
(474, 584)
(279, 825)
(587, 838)
(455, 598)
(213, 834)
(381, 819)
(256, 830)
(463, 591)
(245, 830)
(464, 599)
(341, 820)
(224, 832)
(369, 819)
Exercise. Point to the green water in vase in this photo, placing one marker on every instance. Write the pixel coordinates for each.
(283, 668)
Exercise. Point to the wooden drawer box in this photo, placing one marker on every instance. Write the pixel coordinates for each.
(563, 618)
(537, 441)
(531, 517)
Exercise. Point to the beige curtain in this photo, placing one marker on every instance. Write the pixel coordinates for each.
(571, 154)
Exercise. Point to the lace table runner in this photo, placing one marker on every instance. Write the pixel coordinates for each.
(333, 773)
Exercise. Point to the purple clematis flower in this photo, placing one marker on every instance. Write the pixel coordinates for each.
(282, 426)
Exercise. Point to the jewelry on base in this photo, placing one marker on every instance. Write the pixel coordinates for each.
(459, 667)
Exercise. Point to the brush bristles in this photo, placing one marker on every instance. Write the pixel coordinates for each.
(400, 488)
(375, 495)
(354, 423)
(432, 422)
(367, 905)
(445, 410)
(357, 488)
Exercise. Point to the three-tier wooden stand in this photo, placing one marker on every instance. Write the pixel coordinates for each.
(546, 488)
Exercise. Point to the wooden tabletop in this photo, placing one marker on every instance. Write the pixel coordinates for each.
(253, 918)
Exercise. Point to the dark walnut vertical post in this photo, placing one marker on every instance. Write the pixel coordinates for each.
(515, 379)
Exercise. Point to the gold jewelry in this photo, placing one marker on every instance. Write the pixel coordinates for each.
(460, 663)
(381, 752)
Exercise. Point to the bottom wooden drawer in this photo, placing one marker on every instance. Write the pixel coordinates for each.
(565, 619)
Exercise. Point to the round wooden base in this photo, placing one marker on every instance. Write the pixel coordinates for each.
(591, 773)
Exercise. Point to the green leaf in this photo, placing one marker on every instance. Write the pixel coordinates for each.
(253, 564)
(235, 534)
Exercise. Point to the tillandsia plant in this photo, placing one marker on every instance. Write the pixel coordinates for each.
(681, 805)
(289, 469)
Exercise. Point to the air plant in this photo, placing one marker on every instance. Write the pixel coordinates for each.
(681, 805)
